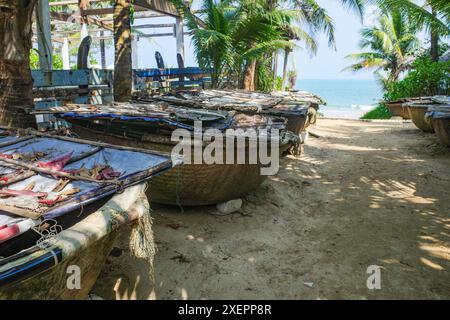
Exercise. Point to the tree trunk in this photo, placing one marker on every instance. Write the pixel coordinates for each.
(434, 41)
(249, 77)
(122, 44)
(287, 51)
(16, 83)
(275, 68)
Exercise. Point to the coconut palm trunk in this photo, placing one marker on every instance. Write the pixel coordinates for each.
(249, 77)
(287, 51)
(16, 83)
(434, 40)
(122, 44)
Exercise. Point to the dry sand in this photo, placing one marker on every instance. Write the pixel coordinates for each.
(364, 193)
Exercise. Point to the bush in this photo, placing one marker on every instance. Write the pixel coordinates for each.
(34, 61)
(379, 112)
(427, 78)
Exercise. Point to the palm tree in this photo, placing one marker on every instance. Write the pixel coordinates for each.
(314, 18)
(16, 83)
(392, 46)
(431, 15)
(230, 37)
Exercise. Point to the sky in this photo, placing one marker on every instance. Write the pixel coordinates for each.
(327, 64)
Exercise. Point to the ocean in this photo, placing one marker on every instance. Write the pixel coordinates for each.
(345, 98)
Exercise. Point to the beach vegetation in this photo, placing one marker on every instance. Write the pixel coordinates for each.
(238, 41)
(390, 47)
(427, 78)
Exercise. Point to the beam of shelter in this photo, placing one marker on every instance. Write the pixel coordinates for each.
(103, 11)
(66, 17)
(71, 2)
(161, 6)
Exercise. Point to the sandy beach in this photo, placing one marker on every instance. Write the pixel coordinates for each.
(363, 193)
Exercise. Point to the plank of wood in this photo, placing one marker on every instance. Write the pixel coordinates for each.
(27, 213)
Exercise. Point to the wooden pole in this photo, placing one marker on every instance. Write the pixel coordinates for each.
(44, 35)
(122, 45)
(65, 54)
(102, 50)
(179, 36)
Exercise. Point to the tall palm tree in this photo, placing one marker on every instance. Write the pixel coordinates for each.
(430, 15)
(314, 18)
(231, 36)
(392, 44)
(16, 83)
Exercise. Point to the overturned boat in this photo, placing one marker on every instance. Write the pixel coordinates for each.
(440, 119)
(199, 181)
(417, 110)
(299, 108)
(398, 108)
(60, 210)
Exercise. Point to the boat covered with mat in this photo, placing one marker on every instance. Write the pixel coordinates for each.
(197, 182)
(440, 119)
(418, 108)
(299, 108)
(59, 207)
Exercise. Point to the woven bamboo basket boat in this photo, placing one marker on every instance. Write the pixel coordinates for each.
(191, 184)
(398, 109)
(440, 118)
(42, 272)
(417, 111)
(299, 113)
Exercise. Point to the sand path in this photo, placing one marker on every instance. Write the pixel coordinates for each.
(362, 194)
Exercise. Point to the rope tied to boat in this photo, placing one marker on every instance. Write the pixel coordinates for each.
(47, 230)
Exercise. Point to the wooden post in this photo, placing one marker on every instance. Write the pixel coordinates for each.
(44, 35)
(179, 36)
(65, 54)
(122, 45)
(102, 50)
(134, 52)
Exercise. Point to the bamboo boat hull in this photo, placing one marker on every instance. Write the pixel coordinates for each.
(52, 284)
(190, 184)
(397, 109)
(418, 117)
(86, 245)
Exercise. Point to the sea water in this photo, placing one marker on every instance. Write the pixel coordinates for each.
(345, 98)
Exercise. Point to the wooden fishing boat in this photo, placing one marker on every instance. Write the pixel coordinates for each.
(440, 118)
(58, 209)
(417, 111)
(202, 183)
(398, 108)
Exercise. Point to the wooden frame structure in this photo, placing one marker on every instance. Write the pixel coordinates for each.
(103, 18)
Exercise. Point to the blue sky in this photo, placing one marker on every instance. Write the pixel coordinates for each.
(327, 64)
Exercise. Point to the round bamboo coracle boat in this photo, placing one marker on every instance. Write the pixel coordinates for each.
(42, 273)
(193, 184)
(398, 108)
(417, 111)
(440, 118)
